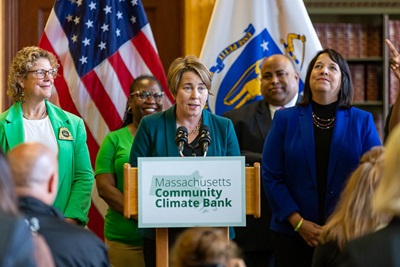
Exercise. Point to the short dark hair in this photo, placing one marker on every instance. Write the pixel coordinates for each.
(345, 97)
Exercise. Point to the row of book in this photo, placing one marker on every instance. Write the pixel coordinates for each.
(352, 40)
(365, 82)
(379, 123)
(357, 40)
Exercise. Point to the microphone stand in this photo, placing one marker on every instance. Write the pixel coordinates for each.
(181, 139)
(205, 138)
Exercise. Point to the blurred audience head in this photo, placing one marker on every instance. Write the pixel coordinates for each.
(35, 170)
(201, 247)
(387, 197)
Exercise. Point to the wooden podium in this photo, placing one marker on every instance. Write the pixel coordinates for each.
(253, 206)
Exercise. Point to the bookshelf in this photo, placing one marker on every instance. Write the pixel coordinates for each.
(357, 29)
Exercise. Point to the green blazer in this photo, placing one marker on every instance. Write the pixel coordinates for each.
(75, 170)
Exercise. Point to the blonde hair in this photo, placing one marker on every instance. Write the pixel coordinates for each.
(353, 215)
(182, 65)
(202, 246)
(23, 62)
(387, 197)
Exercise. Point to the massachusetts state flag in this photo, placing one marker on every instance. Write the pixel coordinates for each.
(241, 33)
(102, 45)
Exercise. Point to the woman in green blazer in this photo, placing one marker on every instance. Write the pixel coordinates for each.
(33, 119)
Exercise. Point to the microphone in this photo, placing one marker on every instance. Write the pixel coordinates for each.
(181, 138)
(205, 138)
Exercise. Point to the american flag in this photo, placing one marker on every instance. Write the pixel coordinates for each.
(102, 45)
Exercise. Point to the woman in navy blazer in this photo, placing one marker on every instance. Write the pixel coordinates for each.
(309, 153)
(190, 83)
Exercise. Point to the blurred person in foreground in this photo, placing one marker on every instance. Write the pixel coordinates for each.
(279, 88)
(190, 83)
(353, 216)
(16, 241)
(310, 151)
(124, 245)
(34, 119)
(205, 247)
(35, 171)
(381, 248)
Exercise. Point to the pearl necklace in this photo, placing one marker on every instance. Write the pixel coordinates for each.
(323, 124)
(41, 117)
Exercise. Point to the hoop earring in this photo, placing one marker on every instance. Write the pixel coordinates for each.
(22, 97)
(129, 110)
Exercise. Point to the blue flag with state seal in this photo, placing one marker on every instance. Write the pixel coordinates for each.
(241, 34)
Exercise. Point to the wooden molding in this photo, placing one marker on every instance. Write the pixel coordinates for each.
(9, 45)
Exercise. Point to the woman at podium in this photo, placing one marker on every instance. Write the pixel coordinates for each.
(199, 132)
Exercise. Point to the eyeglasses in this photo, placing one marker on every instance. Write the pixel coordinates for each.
(144, 95)
(41, 73)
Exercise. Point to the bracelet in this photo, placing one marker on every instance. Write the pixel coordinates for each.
(298, 225)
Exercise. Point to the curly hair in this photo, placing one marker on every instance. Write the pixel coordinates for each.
(23, 62)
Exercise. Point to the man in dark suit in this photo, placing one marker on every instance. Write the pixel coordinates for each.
(35, 171)
(279, 88)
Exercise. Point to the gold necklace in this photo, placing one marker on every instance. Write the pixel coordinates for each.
(41, 117)
(197, 127)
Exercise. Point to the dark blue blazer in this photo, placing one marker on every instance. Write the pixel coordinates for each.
(288, 161)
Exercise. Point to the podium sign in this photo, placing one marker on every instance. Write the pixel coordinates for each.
(191, 191)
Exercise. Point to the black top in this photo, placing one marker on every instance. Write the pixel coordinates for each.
(193, 149)
(377, 249)
(70, 245)
(323, 138)
(327, 255)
